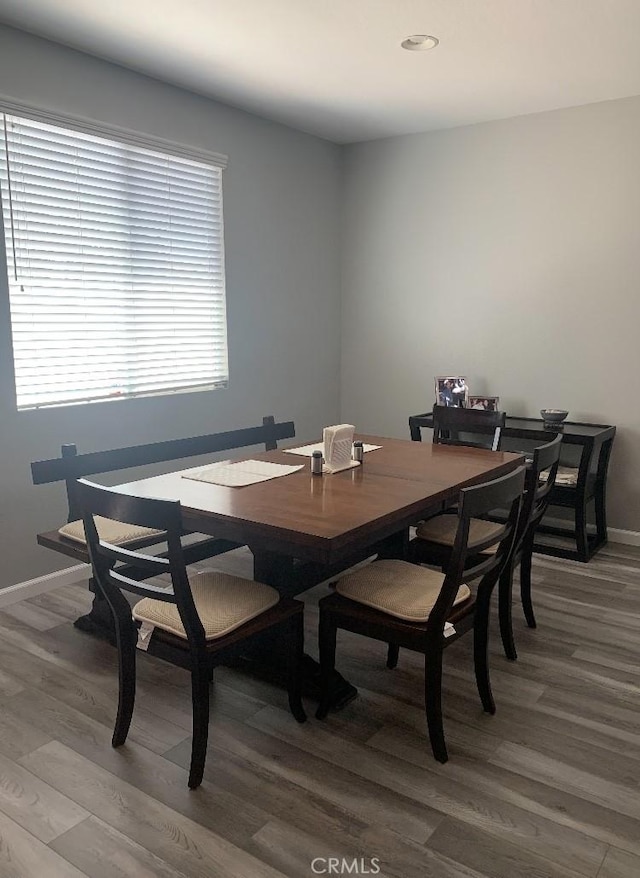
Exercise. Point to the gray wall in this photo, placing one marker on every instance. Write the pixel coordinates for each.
(507, 252)
(282, 203)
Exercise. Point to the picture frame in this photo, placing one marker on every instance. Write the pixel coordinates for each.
(451, 390)
(484, 403)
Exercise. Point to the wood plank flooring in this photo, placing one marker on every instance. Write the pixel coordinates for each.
(547, 788)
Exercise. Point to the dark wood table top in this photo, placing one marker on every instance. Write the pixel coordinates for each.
(327, 518)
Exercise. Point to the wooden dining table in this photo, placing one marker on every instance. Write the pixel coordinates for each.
(303, 528)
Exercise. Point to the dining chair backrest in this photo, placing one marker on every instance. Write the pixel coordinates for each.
(471, 427)
(481, 563)
(163, 515)
(540, 479)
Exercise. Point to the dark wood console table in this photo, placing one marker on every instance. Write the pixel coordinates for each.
(586, 447)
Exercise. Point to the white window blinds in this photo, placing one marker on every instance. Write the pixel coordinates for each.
(115, 262)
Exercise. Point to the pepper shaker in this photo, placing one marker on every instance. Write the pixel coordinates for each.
(316, 463)
(358, 452)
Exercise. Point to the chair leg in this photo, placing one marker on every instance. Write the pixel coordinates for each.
(126, 637)
(525, 583)
(327, 648)
(505, 601)
(433, 703)
(200, 732)
(392, 655)
(481, 650)
(295, 652)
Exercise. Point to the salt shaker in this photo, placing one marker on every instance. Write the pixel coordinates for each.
(316, 463)
(358, 452)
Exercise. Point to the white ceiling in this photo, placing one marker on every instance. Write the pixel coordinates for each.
(335, 67)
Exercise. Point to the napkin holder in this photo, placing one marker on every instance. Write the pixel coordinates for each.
(338, 443)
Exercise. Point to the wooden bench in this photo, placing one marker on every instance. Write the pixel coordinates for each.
(71, 466)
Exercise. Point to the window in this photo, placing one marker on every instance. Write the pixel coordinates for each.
(115, 262)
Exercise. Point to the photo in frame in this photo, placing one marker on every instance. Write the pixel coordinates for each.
(484, 403)
(451, 390)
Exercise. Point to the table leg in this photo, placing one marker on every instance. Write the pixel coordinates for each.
(279, 571)
(582, 537)
(601, 516)
(395, 547)
(99, 620)
(601, 494)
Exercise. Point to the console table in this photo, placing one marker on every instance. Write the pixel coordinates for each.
(585, 448)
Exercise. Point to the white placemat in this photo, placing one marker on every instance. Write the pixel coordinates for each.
(237, 475)
(307, 450)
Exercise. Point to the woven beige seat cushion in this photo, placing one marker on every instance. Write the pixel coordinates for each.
(398, 588)
(442, 530)
(223, 602)
(110, 531)
(567, 476)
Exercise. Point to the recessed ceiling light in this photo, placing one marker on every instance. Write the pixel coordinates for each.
(420, 43)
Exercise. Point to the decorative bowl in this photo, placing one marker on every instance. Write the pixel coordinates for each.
(553, 416)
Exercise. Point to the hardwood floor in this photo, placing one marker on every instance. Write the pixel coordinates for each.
(549, 787)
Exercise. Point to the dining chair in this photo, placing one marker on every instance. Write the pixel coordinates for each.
(409, 606)
(198, 623)
(541, 477)
(474, 427)
(435, 538)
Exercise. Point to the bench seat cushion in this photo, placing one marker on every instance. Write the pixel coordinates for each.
(223, 602)
(398, 588)
(114, 532)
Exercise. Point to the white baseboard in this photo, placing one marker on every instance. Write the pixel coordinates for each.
(625, 537)
(32, 587)
(614, 534)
